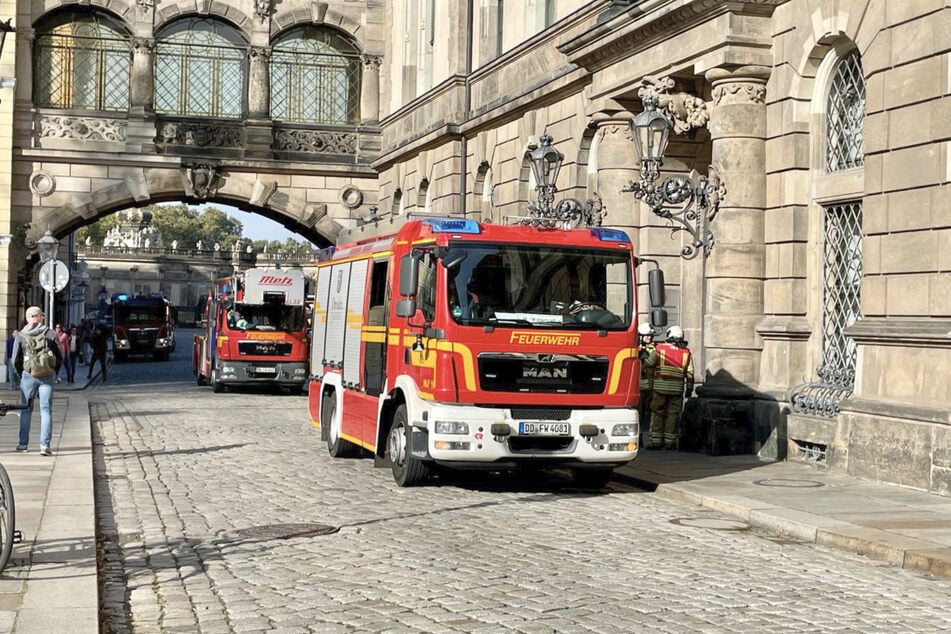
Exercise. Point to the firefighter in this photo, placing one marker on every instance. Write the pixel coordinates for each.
(673, 381)
(645, 346)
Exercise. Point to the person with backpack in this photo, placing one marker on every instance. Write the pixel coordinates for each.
(100, 343)
(38, 358)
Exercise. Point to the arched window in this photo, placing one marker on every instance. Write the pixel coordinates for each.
(845, 115)
(82, 60)
(200, 69)
(315, 78)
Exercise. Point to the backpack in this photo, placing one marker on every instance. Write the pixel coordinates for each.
(38, 359)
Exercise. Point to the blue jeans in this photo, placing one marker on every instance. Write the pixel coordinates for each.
(31, 387)
(13, 377)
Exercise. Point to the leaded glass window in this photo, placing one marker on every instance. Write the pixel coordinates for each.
(82, 60)
(841, 308)
(315, 78)
(200, 69)
(845, 115)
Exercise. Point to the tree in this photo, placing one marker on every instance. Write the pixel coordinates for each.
(180, 223)
(97, 230)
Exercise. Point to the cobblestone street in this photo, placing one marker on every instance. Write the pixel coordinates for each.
(210, 509)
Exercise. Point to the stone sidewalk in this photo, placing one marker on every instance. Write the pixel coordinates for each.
(51, 583)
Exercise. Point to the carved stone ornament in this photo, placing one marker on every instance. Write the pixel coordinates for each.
(42, 183)
(686, 112)
(262, 9)
(351, 197)
(201, 180)
(143, 45)
(742, 91)
(372, 62)
(200, 134)
(315, 141)
(145, 5)
(259, 53)
(80, 128)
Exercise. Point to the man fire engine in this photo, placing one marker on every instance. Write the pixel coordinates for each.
(255, 331)
(142, 325)
(459, 344)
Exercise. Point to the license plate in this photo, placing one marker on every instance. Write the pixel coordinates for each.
(265, 370)
(544, 429)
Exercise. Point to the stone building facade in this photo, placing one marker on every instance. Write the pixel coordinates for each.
(821, 317)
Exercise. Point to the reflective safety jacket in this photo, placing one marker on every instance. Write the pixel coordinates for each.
(673, 368)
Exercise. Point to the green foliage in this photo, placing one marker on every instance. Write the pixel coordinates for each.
(96, 231)
(178, 223)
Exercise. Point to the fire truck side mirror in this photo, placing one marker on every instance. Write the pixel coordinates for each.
(655, 287)
(658, 318)
(406, 308)
(409, 276)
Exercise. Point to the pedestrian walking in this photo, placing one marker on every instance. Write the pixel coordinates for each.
(100, 343)
(673, 381)
(13, 377)
(38, 358)
(73, 357)
(63, 339)
(88, 333)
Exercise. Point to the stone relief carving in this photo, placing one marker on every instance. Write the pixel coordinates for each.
(80, 128)
(259, 53)
(755, 93)
(200, 134)
(201, 180)
(42, 183)
(143, 45)
(686, 112)
(145, 5)
(372, 62)
(315, 141)
(262, 9)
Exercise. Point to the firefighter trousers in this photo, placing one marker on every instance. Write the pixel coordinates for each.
(665, 414)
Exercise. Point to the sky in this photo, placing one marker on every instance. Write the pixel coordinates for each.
(256, 226)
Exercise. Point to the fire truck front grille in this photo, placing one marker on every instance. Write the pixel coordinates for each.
(529, 413)
(555, 373)
(265, 348)
(519, 444)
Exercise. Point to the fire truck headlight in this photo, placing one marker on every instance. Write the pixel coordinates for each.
(627, 429)
(161, 342)
(299, 372)
(622, 446)
(445, 444)
(122, 343)
(452, 427)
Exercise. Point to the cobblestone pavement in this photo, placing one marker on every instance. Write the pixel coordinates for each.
(197, 494)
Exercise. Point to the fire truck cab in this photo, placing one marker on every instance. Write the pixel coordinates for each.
(255, 332)
(455, 344)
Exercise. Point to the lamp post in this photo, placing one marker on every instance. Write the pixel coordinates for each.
(48, 246)
(546, 163)
(687, 205)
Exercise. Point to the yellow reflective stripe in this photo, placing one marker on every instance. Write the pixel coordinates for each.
(468, 366)
(624, 353)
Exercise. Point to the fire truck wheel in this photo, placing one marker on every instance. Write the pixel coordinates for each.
(216, 385)
(407, 470)
(592, 478)
(337, 447)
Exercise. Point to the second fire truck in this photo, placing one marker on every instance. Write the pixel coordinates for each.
(255, 332)
(456, 344)
(142, 325)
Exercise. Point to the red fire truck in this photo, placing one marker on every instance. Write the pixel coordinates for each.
(255, 332)
(455, 344)
(142, 325)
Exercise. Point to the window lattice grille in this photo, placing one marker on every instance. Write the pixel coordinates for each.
(841, 307)
(84, 63)
(845, 115)
(315, 78)
(200, 69)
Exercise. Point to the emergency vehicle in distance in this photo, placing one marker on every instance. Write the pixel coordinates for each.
(455, 344)
(142, 325)
(255, 331)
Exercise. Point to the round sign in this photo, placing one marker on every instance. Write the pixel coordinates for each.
(47, 280)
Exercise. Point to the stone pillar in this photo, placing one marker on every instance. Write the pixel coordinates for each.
(736, 267)
(142, 88)
(258, 128)
(370, 90)
(615, 164)
(140, 131)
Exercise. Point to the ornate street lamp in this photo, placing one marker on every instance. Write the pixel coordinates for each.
(48, 247)
(546, 163)
(686, 205)
(102, 296)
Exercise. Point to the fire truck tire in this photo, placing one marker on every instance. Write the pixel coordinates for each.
(216, 385)
(592, 478)
(407, 470)
(201, 380)
(337, 447)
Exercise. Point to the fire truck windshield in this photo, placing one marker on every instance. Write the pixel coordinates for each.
(139, 314)
(541, 286)
(266, 317)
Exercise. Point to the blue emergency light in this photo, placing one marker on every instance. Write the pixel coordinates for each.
(122, 297)
(609, 235)
(452, 226)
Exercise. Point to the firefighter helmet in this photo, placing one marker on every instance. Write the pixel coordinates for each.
(675, 332)
(644, 329)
